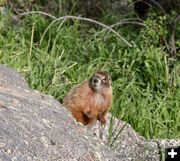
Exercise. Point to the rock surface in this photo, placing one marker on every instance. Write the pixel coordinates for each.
(35, 127)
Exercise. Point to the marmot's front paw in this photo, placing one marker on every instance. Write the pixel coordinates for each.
(101, 119)
(89, 115)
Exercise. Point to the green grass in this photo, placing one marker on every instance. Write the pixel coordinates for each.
(145, 80)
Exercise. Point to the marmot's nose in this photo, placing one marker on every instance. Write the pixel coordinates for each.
(95, 79)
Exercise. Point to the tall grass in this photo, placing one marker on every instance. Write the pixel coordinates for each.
(145, 80)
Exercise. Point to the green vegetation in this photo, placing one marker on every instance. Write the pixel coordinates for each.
(146, 80)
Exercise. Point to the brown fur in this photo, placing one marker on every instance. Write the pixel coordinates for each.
(87, 104)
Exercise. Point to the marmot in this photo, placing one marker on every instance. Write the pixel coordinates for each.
(90, 100)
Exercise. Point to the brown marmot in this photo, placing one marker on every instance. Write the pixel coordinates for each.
(90, 100)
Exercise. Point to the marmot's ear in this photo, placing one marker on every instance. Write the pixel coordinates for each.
(109, 78)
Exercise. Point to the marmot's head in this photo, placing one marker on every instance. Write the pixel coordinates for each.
(100, 81)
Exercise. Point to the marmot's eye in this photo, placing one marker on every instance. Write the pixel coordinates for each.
(104, 79)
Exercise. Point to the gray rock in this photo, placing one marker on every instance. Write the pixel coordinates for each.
(35, 127)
